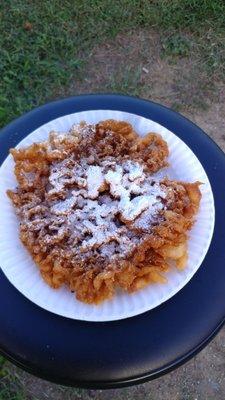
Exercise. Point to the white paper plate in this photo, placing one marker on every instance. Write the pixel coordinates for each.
(21, 271)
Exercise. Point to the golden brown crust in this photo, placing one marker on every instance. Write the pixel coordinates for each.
(151, 149)
(164, 241)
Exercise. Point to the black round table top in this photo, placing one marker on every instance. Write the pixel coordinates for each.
(134, 350)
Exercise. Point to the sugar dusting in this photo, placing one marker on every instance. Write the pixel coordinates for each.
(95, 180)
(102, 204)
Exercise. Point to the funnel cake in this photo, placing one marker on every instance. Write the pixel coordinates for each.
(95, 214)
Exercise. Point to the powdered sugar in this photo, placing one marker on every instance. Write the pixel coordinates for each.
(95, 205)
(135, 207)
(82, 130)
(135, 170)
(121, 188)
(99, 220)
(95, 181)
(63, 206)
(105, 205)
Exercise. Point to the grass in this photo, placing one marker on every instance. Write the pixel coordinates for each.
(125, 80)
(10, 386)
(44, 45)
(177, 45)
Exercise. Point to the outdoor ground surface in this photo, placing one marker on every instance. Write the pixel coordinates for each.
(172, 52)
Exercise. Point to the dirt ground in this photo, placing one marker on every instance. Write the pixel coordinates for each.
(135, 64)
